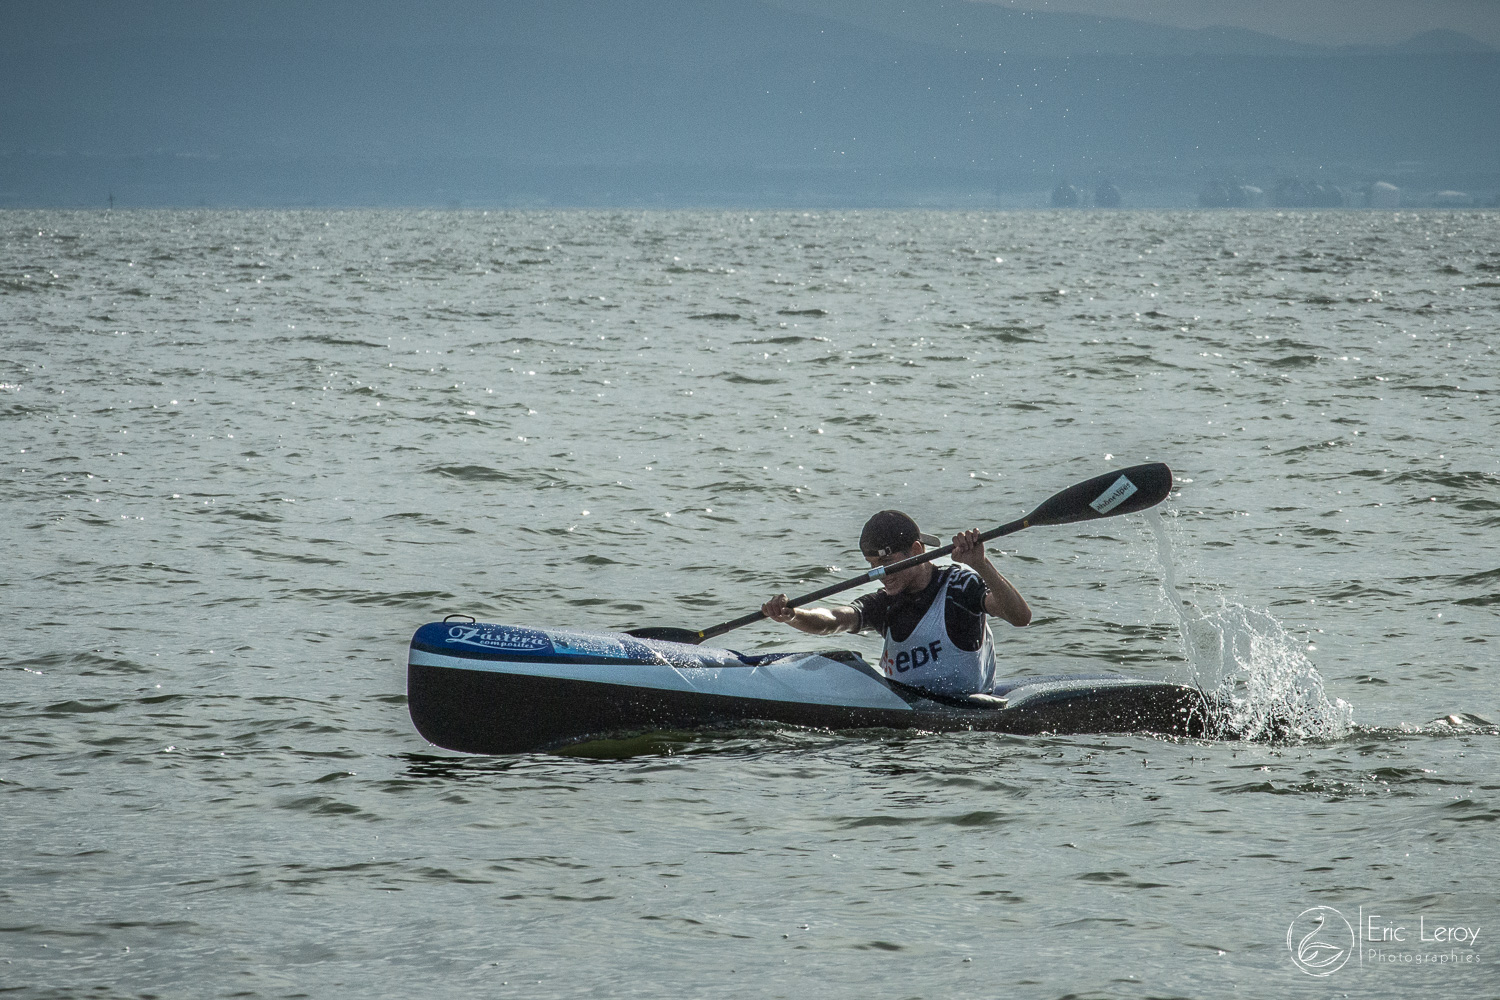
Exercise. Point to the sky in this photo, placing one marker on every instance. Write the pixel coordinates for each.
(1313, 22)
(459, 101)
(1317, 22)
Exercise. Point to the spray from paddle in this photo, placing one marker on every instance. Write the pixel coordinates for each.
(1259, 678)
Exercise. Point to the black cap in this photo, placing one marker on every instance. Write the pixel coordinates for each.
(891, 531)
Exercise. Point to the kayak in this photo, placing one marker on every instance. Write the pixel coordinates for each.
(497, 689)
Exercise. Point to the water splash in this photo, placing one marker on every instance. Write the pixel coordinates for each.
(1257, 677)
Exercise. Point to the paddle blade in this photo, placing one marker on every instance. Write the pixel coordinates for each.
(1114, 493)
(667, 633)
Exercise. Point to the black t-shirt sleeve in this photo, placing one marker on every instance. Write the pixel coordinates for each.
(872, 609)
(967, 590)
(964, 615)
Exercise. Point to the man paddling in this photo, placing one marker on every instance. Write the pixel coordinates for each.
(934, 620)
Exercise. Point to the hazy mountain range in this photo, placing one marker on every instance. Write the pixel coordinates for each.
(719, 101)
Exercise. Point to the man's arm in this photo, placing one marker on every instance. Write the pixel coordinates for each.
(813, 621)
(1002, 600)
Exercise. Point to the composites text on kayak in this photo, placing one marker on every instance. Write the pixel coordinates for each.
(515, 640)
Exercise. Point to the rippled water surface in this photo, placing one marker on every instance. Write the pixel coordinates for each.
(244, 455)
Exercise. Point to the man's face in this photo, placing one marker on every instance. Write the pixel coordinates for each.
(907, 579)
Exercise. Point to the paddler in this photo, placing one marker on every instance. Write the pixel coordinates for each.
(934, 619)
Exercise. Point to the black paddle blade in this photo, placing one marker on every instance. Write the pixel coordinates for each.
(1114, 493)
(667, 633)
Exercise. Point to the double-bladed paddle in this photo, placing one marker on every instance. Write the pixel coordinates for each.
(1109, 495)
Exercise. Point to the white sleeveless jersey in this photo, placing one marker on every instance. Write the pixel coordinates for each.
(929, 659)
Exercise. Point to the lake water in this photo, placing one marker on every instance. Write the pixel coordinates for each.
(246, 454)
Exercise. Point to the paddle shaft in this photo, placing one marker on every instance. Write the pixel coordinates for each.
(875, 573)
(1109, 495)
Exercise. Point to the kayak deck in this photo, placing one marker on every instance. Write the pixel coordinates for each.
(495, 689)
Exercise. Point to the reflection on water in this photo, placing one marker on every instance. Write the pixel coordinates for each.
(246, 454)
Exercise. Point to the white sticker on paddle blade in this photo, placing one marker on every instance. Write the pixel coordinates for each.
(1117, 494)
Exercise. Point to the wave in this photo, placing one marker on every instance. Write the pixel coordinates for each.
(1257, 678)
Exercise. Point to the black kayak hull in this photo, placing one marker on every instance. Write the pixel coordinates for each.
(531, 689)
